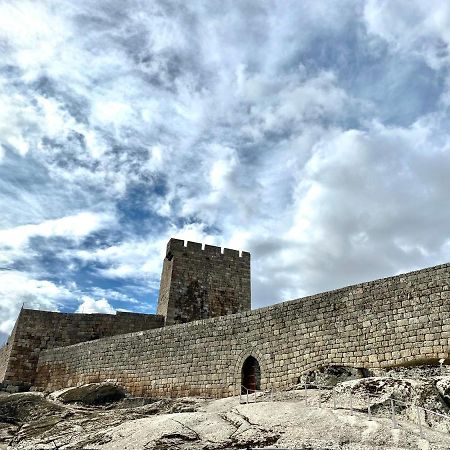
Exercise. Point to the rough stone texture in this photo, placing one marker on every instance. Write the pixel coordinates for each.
(401, 320)
(201, 283)
(198, 424)
(443, 387)
(416, 372)
(380, 390)
(5, 353)
(38, 330)
(332, 375)
(20, 408)
(91, 394)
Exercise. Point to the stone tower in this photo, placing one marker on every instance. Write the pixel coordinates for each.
(199, 283)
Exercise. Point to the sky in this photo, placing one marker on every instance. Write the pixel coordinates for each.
(313, 134)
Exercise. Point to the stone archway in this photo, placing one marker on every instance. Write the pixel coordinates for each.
(240, 360)
(250, 375)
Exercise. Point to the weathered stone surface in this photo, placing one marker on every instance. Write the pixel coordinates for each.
(25, 407)
(219, 424)
(443, 386)
(91, 394)
(400, 320)
(38, 330)
(382, 389)
(200, 283)
(416, 372)
(333, 375)
(407, 394)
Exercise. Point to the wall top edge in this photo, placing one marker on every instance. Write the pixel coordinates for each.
(26, 310)
(260, 312)
(178, 244)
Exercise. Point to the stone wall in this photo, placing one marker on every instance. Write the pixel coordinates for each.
(394, 321)
(5, 353)
(200, 283)
(4, 358)
(38, 330)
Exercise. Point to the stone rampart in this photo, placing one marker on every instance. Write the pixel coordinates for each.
(201, 282)
(38, 330)
(399, 320)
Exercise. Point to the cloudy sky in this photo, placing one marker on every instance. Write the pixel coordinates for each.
(313, 134)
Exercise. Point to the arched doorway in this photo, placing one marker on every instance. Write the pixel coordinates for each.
(251, 375)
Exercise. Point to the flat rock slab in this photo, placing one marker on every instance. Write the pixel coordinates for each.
(188, 424)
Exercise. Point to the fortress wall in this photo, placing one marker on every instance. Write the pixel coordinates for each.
(4, 358)
(38, 330)
(394, 321)
(200, 283)
(5, 353)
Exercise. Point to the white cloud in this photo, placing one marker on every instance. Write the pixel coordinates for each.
(92, 306)
(222, 168)
(412, 27)
(111, 112)
(138, 259)
(71, 227)
(113, 295)
(141, 259)
(364, 207)
(18, 288)
(35, 32)
(294, 100)
(15, 115)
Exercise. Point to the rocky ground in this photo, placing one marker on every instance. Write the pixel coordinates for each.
(101, 417)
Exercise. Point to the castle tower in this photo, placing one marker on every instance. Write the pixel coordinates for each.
(199, 283)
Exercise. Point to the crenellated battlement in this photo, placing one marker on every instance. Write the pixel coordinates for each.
(200, 281)
(176, 245)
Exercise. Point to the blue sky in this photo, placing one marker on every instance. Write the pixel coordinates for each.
(312, 134)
